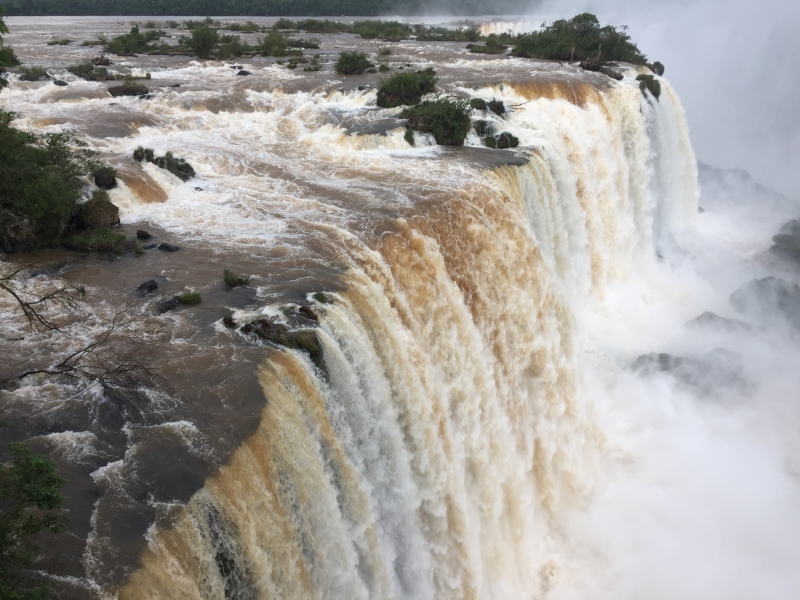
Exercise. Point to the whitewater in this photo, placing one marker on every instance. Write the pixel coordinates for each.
(475, 429)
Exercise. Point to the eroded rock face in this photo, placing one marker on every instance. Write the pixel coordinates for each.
(710, 320)
(770, 300)
(705, 374)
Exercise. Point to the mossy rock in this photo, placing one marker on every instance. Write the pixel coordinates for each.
(649, 83)
(98, 212)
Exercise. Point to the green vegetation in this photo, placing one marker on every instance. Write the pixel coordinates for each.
(316, 26)
(101, 239)
(190, 298)
(321, 298)
(492, 45)
(32, 73)
(89, 72)
(59, 42)
(41, 179)
(352, 63)
(274, 44)
(231, 46)
(409, 136)
(406, 88)
(442, 34)
(30, 496)
(203, 41)
(446, 117)
(392, 31)
(657, 68)
(7, 56)
(649, 83)
(579, 38)
(231, 279)
(248, 27)
(307, 44)
(177, 166)
(133, 42)
(501, 141)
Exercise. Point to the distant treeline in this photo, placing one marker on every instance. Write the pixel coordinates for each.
(266, 8)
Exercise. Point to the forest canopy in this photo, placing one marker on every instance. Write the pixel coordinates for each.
(265, 8)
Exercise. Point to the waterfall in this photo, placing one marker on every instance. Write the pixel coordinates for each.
(449, 425)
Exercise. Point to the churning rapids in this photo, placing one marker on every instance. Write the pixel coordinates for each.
(474, 429)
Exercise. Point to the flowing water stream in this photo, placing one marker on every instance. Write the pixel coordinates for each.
(473, 430)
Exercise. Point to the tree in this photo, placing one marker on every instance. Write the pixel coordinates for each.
(204, 39)
(29, 501)
(7, 56)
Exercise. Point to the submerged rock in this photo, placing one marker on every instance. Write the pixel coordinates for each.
(168, 247)
(769, 299)
(141, 234)
(60, 83)
(228, 322)
(168, 305)
(148, 287)
(308, 312)
(704, 374)
(244, 73)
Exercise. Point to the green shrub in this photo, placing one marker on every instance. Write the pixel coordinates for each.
(352, 63)
(231, 279)
(59, 42)
(446, 117)
(387, 30)
(203, 41)
(7, 56)
(190, 298)
(317, 26)
(137, 249)
(491, 46)
(409, 136)
(443, 34)
(133, 42)
(657, 68)
(177, 166)
(101, 239)
(321, 298)
(285, 24)
(648, 82)
(32, 73)
(231, 46)
(579, 38)
(248, 27)
(307, 44)
(30, 489)
(384, 51)
(502, 141)
(172, 24)
(41, 177)
(406, 88)
(274, 44)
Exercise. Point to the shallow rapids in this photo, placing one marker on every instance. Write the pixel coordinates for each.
(473, 430)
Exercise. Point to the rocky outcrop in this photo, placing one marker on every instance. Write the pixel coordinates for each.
(141, 234)
(97, 212)
(710, 320)
(105, 178)
(148, 287)
(787, 241)
(168, 247)
(305, 340)
(705, 374)
(770, 300)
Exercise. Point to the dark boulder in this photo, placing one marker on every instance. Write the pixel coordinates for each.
(60, 83)
(478, 103)
(149, 247)
(770, 299)
(243, 73)
(305, 340)
(141, 234)
(98, 212)
(497, 107)
(105, 178)
(148, 287)
(373, 70)
(705, 374)
(228, 322)
(101, 61)
(309, 313)
(237, 67)
(129, 88)
(168, 305)
(168, 247)
(502, 141)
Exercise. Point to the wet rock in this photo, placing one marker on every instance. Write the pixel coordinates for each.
(593, 64)
(243, 73)
(59, 83)
(148, 287)
(175, 85)
(308, 312)
(237, 67)
(228, 322)
(198, 189)
(247, 328)
(478, 103)
(105, 179)
(787, 241)
(141, 234)
(168, 247)
(373, 70)
(101, 61)
(168, 305)
(469, 46)
(98, 212)
(502, 141)
(149, 247)
(497, 107)
(710, 320)
(131, 88)
(305, 340)
(770, 299)
(705, 374)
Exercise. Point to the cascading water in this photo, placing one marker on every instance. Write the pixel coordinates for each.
(452, 424)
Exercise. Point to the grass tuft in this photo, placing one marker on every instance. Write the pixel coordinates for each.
(446, 117)
(190, 298)
(352, 63)
(406, 88)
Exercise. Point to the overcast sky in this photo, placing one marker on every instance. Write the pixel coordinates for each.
(736, 66)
